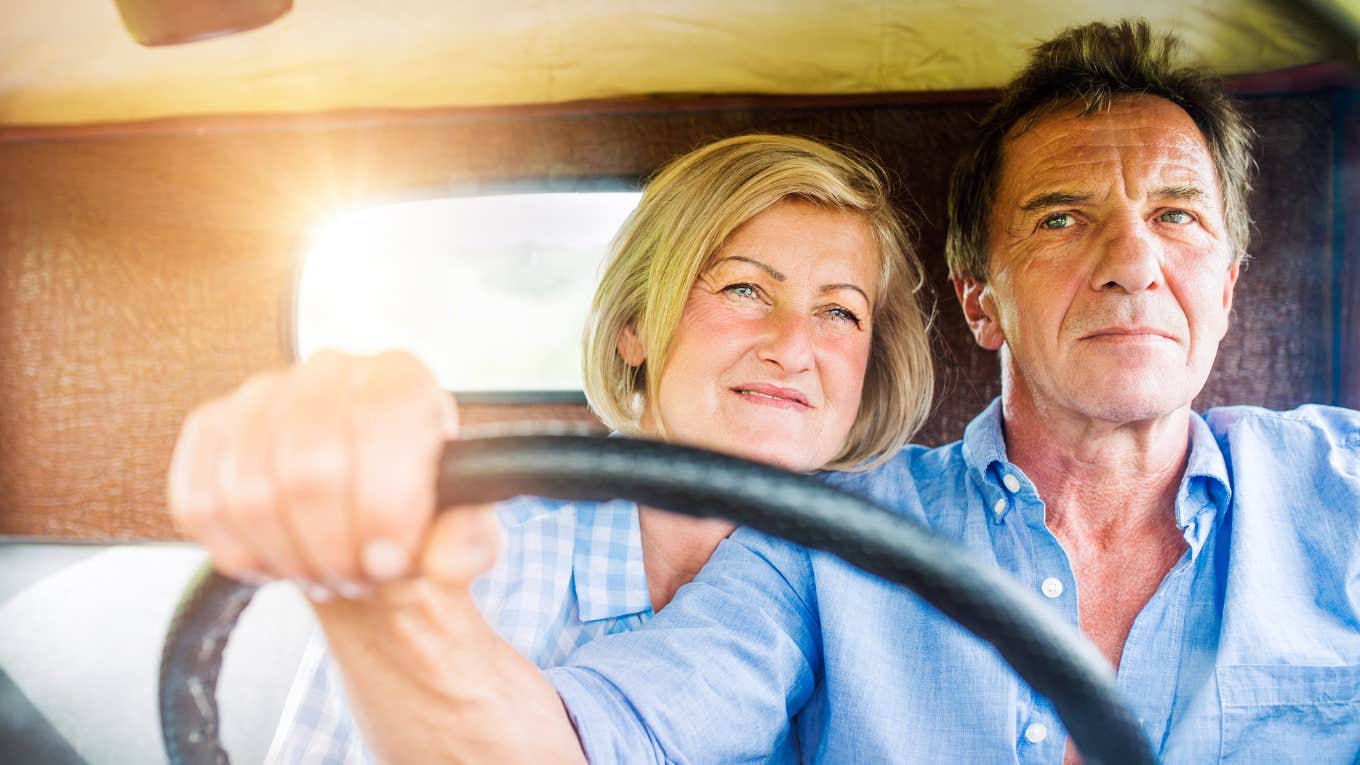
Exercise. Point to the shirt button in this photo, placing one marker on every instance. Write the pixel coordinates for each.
(999, 507)
(1052, 587)
(1035, 733)
(1011, 482)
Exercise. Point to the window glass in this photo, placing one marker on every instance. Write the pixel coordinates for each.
(491, 291)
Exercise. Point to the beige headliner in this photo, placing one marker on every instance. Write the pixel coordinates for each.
(70, 61)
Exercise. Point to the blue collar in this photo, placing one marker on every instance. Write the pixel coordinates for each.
(984, 441)
(1204, 486)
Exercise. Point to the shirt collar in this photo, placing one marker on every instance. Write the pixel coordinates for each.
(607, 569)
(983, 441)
(984, 454)
(1204, 486)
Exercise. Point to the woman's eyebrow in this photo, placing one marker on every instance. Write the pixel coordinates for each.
(778, 275)
(846, 286)
(774, 273)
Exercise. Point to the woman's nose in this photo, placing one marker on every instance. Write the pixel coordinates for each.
(786, 340)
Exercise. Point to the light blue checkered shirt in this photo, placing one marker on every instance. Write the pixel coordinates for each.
(571, 572)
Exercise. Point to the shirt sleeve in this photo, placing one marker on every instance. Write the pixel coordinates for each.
(316, 727)
(716, 676)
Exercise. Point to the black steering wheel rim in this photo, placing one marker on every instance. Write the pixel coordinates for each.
(1044, 650)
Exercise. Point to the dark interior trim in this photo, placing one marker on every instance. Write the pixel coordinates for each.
(1309, 78)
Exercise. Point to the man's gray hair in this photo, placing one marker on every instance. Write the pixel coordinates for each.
(1092, 65)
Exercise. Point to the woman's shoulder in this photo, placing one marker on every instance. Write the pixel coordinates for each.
(908, 471)
(569, 572)
(520, 511)
(543, 515)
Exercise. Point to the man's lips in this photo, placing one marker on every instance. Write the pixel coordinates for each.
(1128, 333)
(773, 395)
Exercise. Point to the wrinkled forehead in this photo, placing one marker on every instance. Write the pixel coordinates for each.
(1134, 146)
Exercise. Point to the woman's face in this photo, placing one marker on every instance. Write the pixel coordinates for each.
(769, 357)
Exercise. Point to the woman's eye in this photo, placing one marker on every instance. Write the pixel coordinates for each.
(844, 314)
(1057, 221)
(742, 290)
(1178, 217)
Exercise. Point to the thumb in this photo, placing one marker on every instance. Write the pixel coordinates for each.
(463, 543)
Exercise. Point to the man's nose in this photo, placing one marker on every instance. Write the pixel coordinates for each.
(787, 341)
(1130, 255)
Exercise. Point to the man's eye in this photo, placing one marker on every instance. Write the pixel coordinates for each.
(1178, 217)
(1058, 220)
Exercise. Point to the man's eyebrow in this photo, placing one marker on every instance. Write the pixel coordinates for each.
(1183, 191)
(774, 273)
(1054, 199)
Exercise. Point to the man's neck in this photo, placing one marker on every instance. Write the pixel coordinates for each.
(1109, 492)
(1100, 480)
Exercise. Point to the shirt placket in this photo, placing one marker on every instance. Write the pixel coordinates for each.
(1149, 669)
(1154, 647)
(1154, 640)
(1042, 564)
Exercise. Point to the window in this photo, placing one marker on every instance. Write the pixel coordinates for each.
(491, 291)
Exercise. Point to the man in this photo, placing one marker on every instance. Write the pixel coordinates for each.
(1096, 238)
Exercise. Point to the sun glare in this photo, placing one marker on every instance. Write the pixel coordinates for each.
(492, 292)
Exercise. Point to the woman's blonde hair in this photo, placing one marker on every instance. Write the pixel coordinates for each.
(688, 210)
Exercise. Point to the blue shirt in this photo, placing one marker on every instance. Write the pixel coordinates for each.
(570, 573)
(1249, 651)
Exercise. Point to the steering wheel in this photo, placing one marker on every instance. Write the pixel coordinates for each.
(1048, 653)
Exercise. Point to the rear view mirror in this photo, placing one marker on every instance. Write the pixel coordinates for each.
(171, 22)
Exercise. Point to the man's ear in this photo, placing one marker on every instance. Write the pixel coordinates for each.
(630, 347)
(979, 309)
(1233, 272)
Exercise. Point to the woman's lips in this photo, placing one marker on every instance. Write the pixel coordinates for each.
(773, 395)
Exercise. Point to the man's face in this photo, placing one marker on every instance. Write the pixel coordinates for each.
(1110, 270)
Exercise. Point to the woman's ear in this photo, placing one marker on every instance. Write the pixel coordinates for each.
(630, 347)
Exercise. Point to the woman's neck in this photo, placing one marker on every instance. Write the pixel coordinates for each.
(674, 548)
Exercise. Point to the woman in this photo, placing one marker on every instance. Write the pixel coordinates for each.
(760, 301)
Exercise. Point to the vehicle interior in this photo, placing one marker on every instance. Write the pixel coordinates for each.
(176, 170)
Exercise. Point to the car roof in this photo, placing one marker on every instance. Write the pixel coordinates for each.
(73, 62)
